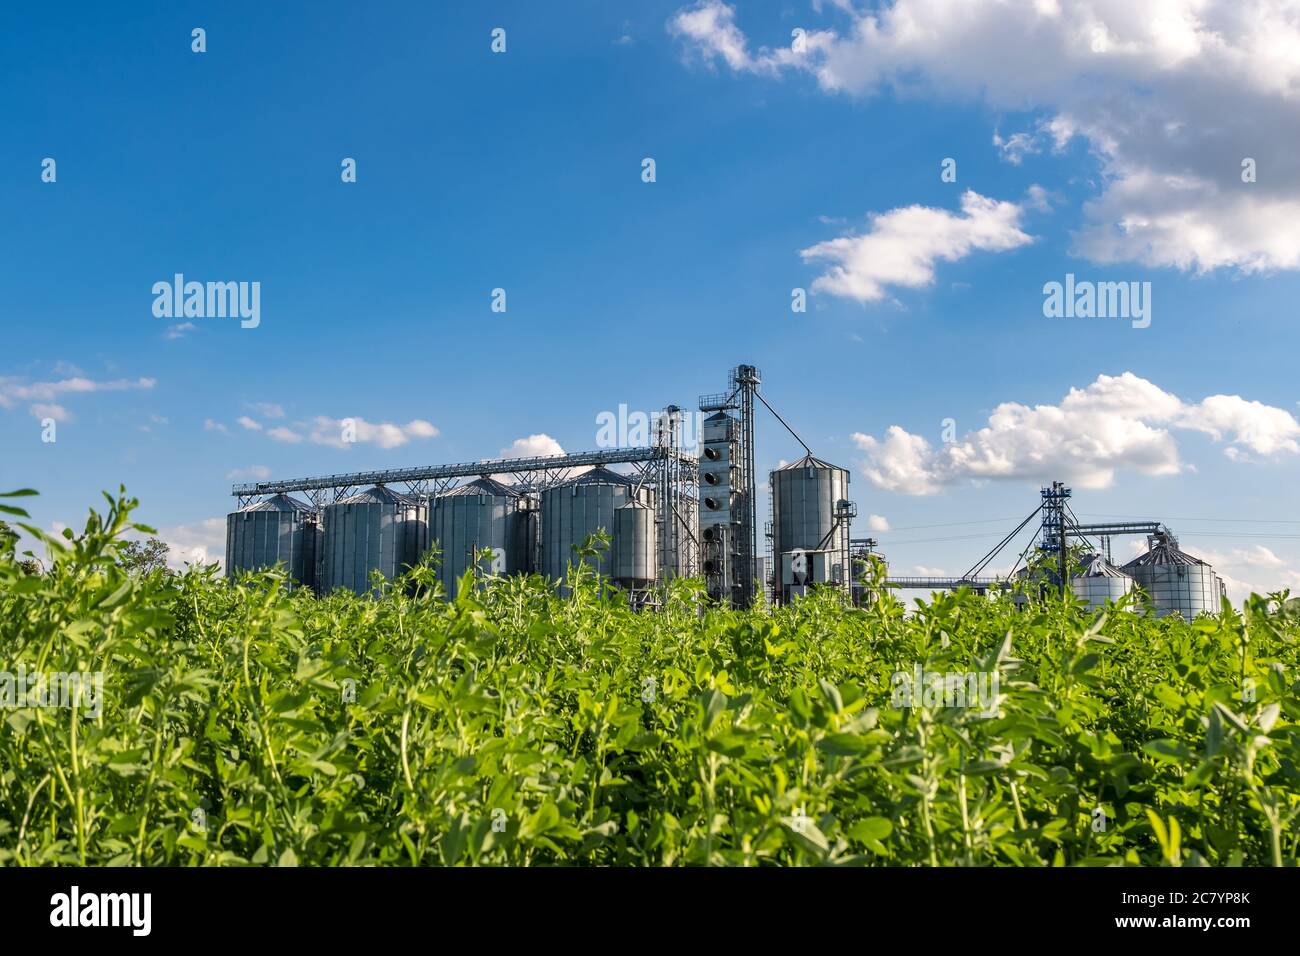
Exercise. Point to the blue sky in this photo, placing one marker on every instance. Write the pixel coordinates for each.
(522, 171)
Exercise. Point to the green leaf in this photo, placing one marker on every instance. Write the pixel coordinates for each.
(1165, 749)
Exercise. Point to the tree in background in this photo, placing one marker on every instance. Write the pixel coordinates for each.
(9, 542)
(143, 557)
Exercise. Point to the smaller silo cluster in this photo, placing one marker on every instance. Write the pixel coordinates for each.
(1175, 581)
(279, 530)
(483, 525)
(1100, 582)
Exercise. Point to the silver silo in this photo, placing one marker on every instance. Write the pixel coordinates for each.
(483, 515)
(635, 544)
(572, 511)
(1175, 581)
(806, 495)
(377, 529)
(279, 530)
(1100, 582)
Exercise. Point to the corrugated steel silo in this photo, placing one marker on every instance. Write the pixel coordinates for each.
(1175, 581)
(377, 529)
(279, 530)
(805, 494)
(483, 515)
(1100, 582)
(635, 545)
(572, 511)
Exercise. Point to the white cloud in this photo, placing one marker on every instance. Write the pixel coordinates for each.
(711, 29)
(1169, 97)
(903, 245)
(211, 426)
(1253, 569)
(323, 430)
(1117, 423)
(1038, 199)
(201, 542)
(534, 446)
(267, 409)
(252, 471)
(15, 390)
(56, 412)
(1015, 147)
(330, 431)
(178, 331)
(877, 523)
(282, 434)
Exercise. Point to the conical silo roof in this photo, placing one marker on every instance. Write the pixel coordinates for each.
(809, 461)
(378, 495)
(281, 502)
(600, 476)
(1099, 567)
(482, 486)
(1163, 551)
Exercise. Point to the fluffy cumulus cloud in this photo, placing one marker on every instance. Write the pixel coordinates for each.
(903, 245)
(1120, 422)
(1255, 569)
(534, 446)
(877, 523)
(201, 542)
(1170, 97)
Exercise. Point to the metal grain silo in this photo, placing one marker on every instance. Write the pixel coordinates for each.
(279, 530)
(808, 498)
(1175, 581)
(1100, 582)
(572, 511)
(635, 545)
(483, 515)
(377, 529)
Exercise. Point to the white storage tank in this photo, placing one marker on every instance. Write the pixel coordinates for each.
(1100, 582)
(807, 495)
(635, 544)
(1175, 581)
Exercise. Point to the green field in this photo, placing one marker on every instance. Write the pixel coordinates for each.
(247, 724)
